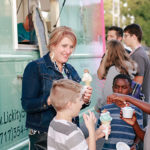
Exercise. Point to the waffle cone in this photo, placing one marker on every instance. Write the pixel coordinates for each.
(106, 125)
(87, 83)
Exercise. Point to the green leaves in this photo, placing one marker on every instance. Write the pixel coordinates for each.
(137, 11)
(140, 10)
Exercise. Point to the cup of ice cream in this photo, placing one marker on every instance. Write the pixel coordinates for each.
(105, 119)
(122, 146)
(127, 112)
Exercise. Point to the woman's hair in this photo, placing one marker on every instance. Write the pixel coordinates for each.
(118, 57)
(63, 91)
(59, 33)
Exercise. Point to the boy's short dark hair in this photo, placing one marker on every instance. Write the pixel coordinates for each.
(134, 29)
(119, 31)
(122, 76)
(63, 91)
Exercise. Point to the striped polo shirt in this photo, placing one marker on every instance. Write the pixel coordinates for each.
(64, 135)
(120, 130)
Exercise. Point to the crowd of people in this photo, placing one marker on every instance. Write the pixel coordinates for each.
(52, 94)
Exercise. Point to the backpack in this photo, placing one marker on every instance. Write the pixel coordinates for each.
(137, 90)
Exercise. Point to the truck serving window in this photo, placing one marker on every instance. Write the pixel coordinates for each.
(25, 35)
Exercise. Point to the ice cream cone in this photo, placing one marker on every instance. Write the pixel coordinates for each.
(106, 125)
(87, 78)
(87, 83)
(105, 120)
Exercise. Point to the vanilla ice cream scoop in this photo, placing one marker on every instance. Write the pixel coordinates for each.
(87, 78)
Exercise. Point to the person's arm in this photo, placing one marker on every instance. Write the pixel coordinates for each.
(91, 140)
(99, 133)
(133, 122)
(136, 142)
(101, 68)
(90, 124)
(141, 68)
(139, 132)
(100, 71)
(33, 99)
(93, 135)
(138, 79)
(144, 106)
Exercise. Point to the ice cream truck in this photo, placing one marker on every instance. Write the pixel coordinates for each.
(85, 17)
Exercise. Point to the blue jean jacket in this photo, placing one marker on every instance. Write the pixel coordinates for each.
(37, 82)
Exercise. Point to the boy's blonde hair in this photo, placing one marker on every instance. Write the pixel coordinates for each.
(63, 91)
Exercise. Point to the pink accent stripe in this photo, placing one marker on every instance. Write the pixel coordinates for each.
(103, 25)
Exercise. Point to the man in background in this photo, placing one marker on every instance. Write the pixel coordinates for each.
(115, 33)
(132, 38)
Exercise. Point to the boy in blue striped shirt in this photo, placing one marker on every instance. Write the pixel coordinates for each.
(120, 130)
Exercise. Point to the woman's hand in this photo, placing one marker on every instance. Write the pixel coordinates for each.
(87, 94)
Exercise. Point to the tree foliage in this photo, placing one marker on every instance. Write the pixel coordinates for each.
(108, 12)
(140, 10)
(136, 11)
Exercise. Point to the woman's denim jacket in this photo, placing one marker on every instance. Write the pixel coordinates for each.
(37, 82)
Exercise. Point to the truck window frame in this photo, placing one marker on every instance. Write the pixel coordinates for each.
(26, 47)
